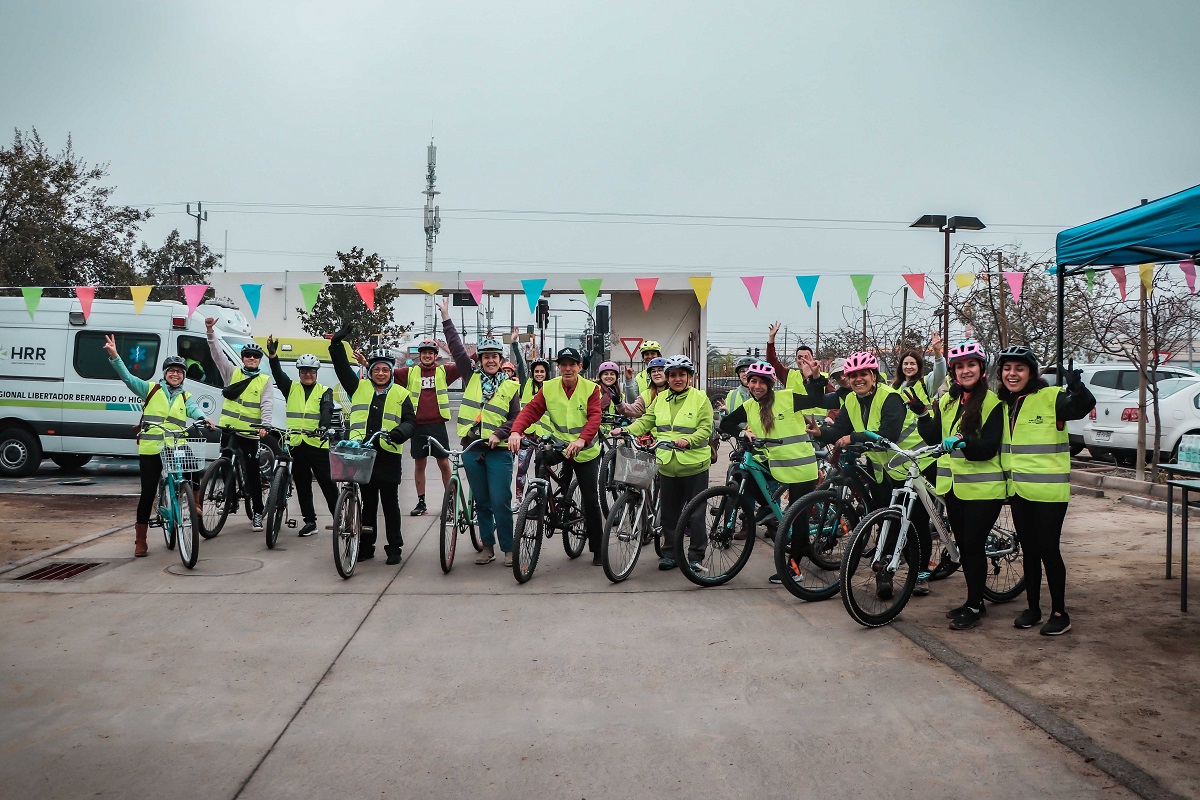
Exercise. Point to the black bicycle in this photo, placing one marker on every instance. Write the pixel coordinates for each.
(548, 505)
(223, 484)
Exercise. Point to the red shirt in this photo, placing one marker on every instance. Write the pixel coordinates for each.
(534, 409)
(427, 404)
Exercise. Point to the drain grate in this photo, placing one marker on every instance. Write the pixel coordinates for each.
(64, 570)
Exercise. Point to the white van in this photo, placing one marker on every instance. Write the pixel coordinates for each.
(60, 398)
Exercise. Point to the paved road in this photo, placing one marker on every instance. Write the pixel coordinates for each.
(285, 681)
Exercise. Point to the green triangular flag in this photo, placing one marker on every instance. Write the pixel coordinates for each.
(862, 284)
(33, 298)
(1091, 278)
(310, 292)
(591, 289)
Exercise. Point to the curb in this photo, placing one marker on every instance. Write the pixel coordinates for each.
(61, 548)
(1087, 491)
(1150, 505)
(1062, 730)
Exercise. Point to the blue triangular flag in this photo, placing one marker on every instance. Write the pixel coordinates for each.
(253, 292)
(533, 290)
(808, 285)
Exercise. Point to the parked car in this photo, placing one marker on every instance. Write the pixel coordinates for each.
(1113, 424)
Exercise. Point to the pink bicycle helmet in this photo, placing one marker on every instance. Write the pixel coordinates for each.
(860, 361)
(964, 351)
(608, 366)
(763, 370)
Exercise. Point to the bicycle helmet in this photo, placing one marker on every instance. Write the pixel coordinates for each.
(860, 361)
(490, 346)
(252, 349)
(509, 367)
(608, 366)
(964, 351)
(650, 345)
(308, 361)
(381, 354)
(656, 362)
(762, 370)
(1019, 353)
(742, 363)
(429, 344)
(680, 362)
(543, 362)
(174, 362)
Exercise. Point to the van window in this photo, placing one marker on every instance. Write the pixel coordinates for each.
(139, 351)
(194, 350)
(1106, 378)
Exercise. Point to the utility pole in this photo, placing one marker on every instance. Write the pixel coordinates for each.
(1000, 286)
(817, 343)
(433, 224)
(201, 216)
(864, 329)
(903, 321)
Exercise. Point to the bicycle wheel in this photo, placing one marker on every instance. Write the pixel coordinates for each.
(622, 540)
(527, 534)
(810, 542)
(469, 511)
(870, 598)
(608, 492)
(166, 515)
(570, 520)
(447, 525)
(188, 534)
(216, 497)
(276, 507)
(346, 520)
(1006, 572)
(713, 555)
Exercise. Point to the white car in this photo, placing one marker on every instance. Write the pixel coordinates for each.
(1112, 424)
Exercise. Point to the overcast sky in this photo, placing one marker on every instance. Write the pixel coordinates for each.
(1030, 115)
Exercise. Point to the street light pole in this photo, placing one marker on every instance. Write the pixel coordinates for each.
(947, 226)
(946, 293)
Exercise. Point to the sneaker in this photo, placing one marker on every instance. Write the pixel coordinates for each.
(921, 589)
(697, 568)
(309, 529)
(508, 559)
(954, 612)
(883, 586)
(775, 579)
(969, 618)
(258, 523)
(394, 557)
(419, 509)
(365, 555)
(666, 563)
(1028, 618)
(1057, 625)
(597, 561)
(486, 556)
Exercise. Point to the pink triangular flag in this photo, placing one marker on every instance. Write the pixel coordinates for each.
(916, 282)
(646, 286)
(1015, 281)
(476, 290)
(194, 293)
(1119, 274)
(1189, 272)
(366, 290)
(87, 294)
(754, 287)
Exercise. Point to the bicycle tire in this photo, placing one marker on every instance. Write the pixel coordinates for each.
(622, 540)
(1006, 570)
(216, 501)
(346, 532)
(276, 507)
(447, 527)
(609, 493)
(571, 520)
(724, 554)
(804, 558)
(188, 535)
(165, 520)
(527, 535)
(471, 515)
(858, 572)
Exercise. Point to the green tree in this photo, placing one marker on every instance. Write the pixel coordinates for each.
(57, 226)
(160, 266)
(339, 304)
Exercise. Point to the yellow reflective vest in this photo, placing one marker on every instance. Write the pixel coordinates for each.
(244, 413)
(537, 429)
(687, 415)
(795, 460)
(1036, 454)
(489, 414)
(171, 414)
(393, 410)
(304, 415)
(910, 438)
(566, 416)
(970, 480)
(439, 386)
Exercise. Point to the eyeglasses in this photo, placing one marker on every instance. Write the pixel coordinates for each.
(255, 356)
(307, 371)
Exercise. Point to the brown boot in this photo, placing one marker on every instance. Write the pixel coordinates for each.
(139, 539)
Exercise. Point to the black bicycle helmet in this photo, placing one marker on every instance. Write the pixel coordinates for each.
(1018, 353)
(252, 349)
(174, 361)
(742, 363)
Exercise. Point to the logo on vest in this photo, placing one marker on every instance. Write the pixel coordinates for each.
(1037, 420)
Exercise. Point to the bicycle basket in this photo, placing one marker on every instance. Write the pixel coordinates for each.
(351, 464)
(181, 458)
(634, 468)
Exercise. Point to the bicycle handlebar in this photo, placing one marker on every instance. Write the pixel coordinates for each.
(880, 443)
(663, 444)
(454, 453)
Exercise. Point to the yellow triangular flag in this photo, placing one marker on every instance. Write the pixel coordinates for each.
(140, 295)
(701, 286)
(964, 279)
(1147, 273)
(429, 287)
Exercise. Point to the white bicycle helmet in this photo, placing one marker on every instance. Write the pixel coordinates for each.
(308, 361)
(680, 362)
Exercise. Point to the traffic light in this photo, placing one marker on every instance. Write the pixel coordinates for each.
(543, 313)
(747, 351)
(757, 353)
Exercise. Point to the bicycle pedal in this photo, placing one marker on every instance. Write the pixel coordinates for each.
(291, 523)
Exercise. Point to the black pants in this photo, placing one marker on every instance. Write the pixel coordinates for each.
(150, 468)
(246, 450)
(673, 495)
(588, 475)
(387, 494)
(310, 462)
(1039, 528)
(972, 521)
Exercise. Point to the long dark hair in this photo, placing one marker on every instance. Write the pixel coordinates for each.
(1035, 384)
(766, 410)
(900, 379)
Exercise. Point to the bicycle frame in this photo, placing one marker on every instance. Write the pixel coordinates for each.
(750, 465)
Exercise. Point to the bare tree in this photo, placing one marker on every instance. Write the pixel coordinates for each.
(890, 328)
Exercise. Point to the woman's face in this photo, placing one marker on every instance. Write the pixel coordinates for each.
(608, 378)
(909, 367)
(173, 376)
(658, 377)
(490, 362)
(1015, 375)
(741, 373)
(679, 379)
(968, 372)
(539, 373)
(862, 381)
(381, 373)
(758, 387)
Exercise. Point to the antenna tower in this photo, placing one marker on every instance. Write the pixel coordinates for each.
(433, 223)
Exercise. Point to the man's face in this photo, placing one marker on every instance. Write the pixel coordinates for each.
(251, 361)
(308, 376)
(381, 373)
(649, 355)
(803, 351)
(568, 369)
(428, 357)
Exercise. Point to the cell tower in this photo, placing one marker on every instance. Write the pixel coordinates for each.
(433, 223)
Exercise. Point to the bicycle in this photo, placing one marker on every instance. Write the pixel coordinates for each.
(176, 510)
(728, 535)
(880, 549)
(636, 517)
(223, 484)
(458, 509)
(275, 510)
(547, 507)
(350, 464)
(608, 492)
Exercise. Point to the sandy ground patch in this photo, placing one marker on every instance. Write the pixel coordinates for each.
(31, 523)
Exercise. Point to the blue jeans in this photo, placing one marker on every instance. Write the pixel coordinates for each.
(490, 481)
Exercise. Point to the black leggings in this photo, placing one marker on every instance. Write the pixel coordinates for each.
(1039, 528)
(150, 468)
(588, 474)
(309, 463)
(972, 521)
(387, 494)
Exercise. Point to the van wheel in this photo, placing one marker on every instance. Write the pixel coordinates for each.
(20, 453)
(70, 460)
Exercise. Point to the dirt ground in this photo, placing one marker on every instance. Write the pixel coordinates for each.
(31, 523)
(1128, 672)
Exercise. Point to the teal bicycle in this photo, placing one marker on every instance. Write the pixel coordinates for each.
(176, 494)
(458, 508)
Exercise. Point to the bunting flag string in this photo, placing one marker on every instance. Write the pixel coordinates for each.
(366, 290)
(33, 298)
(476, 290)
(310, 292)
(1118, 274)
(808, 285)
(428, 287)
(646, 287)
(916, 282)
(140, 295)
(253, 292)
(1189, 274)
(1091, 279)
(964, 279)
(193, 293)
(701, 286)
(591, 290)
(753, 284)
(862, 285)
(1146, 273)
(86, 295)
(1015, 281)
(533, 290)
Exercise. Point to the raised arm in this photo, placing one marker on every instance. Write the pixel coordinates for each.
(346, 374)
(462, 362)
(136, 385)
(224, 365)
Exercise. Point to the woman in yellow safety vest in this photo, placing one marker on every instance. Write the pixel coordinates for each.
(656, 385)
(732, 402)
(969, 422)
(1037, 458)
(911, 378)
(166, 404)
(539, 373)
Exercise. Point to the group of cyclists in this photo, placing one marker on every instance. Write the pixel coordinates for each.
(1003, 445)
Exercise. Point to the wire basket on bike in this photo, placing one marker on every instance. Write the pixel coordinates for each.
(181, 454)
(634, 468)
(350, 464)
